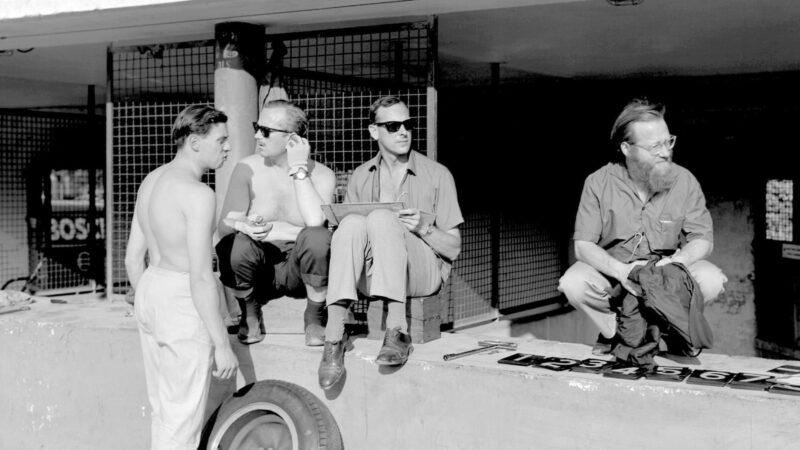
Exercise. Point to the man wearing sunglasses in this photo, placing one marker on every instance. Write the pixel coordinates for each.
(639, 206)
(390, 254)
(273, 241)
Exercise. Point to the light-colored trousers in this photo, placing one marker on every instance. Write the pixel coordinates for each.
(178, 354)
(378, 256)
(587, 290)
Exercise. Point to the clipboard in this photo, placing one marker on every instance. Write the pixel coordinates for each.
(335, 212)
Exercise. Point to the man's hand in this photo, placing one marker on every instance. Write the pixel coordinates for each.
(409, 217)
(225, 362)
(255, 232)
(297, 150)
(668, 260)
(623, 277)
(664, 261)
(253, 225)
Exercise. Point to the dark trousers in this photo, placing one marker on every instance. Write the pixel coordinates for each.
(277, 268)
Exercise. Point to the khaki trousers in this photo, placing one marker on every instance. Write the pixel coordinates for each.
(178, 354)
(379, 257)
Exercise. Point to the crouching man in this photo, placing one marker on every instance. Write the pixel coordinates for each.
(273, 241)
(640, 206)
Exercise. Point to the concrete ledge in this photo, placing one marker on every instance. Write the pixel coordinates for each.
(71, 377)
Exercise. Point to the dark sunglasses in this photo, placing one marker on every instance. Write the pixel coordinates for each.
(266, 130)
(394, 127)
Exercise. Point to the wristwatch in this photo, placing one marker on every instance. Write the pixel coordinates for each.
(301, 174)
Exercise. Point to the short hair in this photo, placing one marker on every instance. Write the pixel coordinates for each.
(637, 110)
(295, 119)
(383, 102)
(195, 119)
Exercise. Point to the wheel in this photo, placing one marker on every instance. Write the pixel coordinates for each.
(272, 414)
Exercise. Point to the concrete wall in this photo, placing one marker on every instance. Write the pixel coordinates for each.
(72, 378)
(732, 315)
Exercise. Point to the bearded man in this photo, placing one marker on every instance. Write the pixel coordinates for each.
(641, 207)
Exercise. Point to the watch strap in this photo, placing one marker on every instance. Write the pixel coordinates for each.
(300, 174)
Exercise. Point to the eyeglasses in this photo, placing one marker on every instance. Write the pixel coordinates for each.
(394, 127)
(667, 144)
(266, 130)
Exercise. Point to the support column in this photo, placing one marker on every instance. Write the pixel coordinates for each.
(496, 214)
(239, 67)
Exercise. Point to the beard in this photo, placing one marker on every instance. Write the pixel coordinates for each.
(662, 177)
(658, 177)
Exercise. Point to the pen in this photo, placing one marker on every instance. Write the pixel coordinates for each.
(400, 199)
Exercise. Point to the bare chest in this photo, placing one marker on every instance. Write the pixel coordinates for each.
(273, 196)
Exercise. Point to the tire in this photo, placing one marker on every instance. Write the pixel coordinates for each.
(272, 414)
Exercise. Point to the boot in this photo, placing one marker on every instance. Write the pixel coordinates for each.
(251, 322)
(314, 323)
(331, 368)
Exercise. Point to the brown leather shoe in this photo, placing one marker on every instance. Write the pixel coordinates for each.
(331, 368)
(251, 322)
(315, 335)
(396, 348)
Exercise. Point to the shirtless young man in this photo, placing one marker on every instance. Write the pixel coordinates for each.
(286, 252)
(176, 304)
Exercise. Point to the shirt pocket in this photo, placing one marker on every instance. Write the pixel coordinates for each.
(427, 200)
(669, 233)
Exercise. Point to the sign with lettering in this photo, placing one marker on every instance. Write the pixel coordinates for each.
(613, 369)
(72, 230)
(790, 251)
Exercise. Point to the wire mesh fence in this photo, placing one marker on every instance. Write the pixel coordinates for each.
(338, 128)
(142, 141)
(150, 85)
(163, 72)
(334, 75)
(364, 59)
(45, 200)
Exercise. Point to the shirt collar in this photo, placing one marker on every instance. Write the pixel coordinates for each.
(412, 162)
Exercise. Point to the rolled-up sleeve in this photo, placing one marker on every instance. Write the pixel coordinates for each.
(697, 222)
(448, 212)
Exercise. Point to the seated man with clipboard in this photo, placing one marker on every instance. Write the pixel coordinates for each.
(395, 249)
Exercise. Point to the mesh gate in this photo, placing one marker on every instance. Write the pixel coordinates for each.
(45, 207)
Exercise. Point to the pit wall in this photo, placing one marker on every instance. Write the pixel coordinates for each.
(72, 377)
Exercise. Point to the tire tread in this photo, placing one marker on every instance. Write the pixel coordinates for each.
(325, 427)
